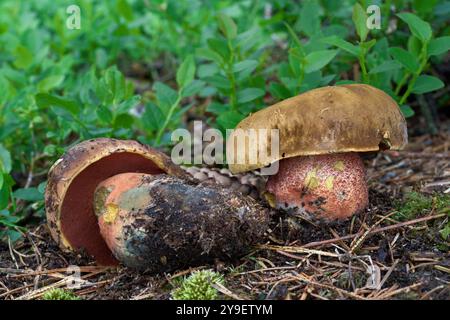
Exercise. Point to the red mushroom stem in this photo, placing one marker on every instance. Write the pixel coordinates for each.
(324, 186)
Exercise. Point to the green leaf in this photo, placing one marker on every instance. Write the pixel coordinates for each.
(424, 7)
(5, 160)
(4, 196)
(245, 65)
(418, 27)
(407, 111)
(207, 70)
(50, 82)
(104, 114)
(445, 233)
(425, 83)
(227, 26)
(220, 46)
(279, 91)
(45, 100)
(439, 46)
(342, 44)
(293, 35)
(368, 45)
(6, 90)
(186, 72)
(209, 54)
(318, 59)
(217, 108)
(124, 120)
(249, 94)
(343, 82)
(309, 21)
(359, 18)
(28, 194)
(125, 10)
(193, 88)
(152, 117)
(229, 119)
(295, 61)
(218, 81)
(24, 57)
(165, 95)
(405, 58)
(126, 105)
(387, 65)
(42, 186)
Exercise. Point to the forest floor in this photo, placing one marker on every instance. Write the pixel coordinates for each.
(393, 250)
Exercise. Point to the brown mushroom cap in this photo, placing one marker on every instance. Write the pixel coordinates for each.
(337, 119)
(72, 182)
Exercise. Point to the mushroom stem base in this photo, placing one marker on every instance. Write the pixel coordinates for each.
(327, 187)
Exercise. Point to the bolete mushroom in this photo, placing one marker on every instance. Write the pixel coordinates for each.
(119, 200)
(161, 222)
(321, 133)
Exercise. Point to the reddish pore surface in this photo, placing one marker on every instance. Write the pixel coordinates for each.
(78, 221)
(324, 186)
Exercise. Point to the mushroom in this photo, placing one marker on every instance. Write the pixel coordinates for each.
(162, 223)
(121, 201)
(321, 133)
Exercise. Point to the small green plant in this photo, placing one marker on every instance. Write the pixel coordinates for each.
(198, 286)
(164, 112)
(60, 294)
(231, 72)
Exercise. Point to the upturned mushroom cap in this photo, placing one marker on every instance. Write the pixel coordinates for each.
(337, 119)
(72, 181)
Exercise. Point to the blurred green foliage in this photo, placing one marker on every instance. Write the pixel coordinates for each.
(135, 68)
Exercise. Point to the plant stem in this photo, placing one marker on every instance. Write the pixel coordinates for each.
(386, 13)
(167, 120)
(362, 64)
(401, 83)
(302, 76)
(231, 78)
(233, 97)
(424, 59)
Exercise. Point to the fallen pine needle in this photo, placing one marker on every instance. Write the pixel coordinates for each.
(377, 230)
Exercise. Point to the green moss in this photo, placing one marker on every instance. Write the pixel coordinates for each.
(198, 286)
(60, 294)
(415, 204)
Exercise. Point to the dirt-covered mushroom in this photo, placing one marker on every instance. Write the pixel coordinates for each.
(72, 181)
(160, 222)
(321, 134)
(164, 221)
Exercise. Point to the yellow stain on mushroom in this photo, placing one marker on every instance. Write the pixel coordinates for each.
(270, 198)
(311, 180)
(110, 214)
(329, 182)
(339, 165)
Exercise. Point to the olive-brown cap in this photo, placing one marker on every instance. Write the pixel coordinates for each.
(72, 181)
(335, 119)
